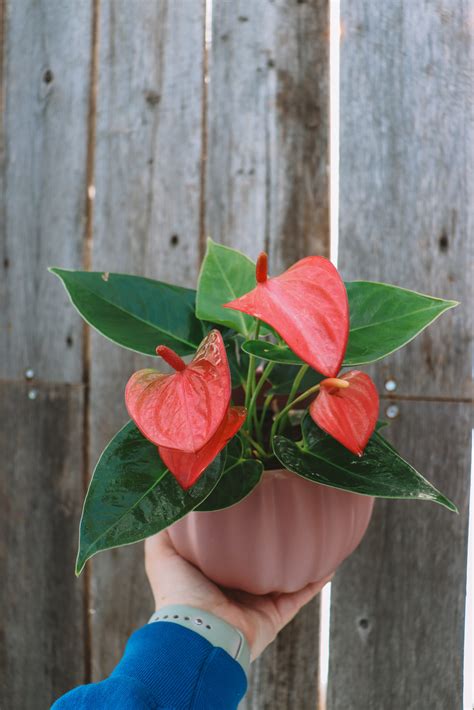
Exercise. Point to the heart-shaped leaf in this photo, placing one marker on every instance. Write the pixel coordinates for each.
(238, 481)
(384, 318)
(380, 472)
(135, 312)
(187, 467)
(225, 274)
(349, 414)
(183, 410)
(307, 306)
(132, 495)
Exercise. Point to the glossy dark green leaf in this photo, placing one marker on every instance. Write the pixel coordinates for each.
(225, 275)
(135, 312)
(384, 318)
(380, 472)
(272, 352)
(132, 495)
(240, 477)
(283, 376)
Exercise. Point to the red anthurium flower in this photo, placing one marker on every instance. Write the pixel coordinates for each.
(182, 410)
(307, 305)
(347, 409)
(186, 467)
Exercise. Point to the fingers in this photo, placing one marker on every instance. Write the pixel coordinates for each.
(289, 604)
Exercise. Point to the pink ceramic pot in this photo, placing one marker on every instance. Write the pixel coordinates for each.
(286, 533)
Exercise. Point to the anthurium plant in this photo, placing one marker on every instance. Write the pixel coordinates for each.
(251, 372)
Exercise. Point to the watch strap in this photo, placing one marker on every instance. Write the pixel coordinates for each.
(217, 631)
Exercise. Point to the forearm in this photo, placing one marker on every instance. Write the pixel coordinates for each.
(165, 666)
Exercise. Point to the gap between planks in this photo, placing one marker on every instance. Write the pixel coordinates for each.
(86, 350)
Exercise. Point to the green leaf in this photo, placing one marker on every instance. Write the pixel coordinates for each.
(238, 481)
(380, 472)
(272, 352)
(384, 318)
(132, 495)
(135, 312)
(225, 275)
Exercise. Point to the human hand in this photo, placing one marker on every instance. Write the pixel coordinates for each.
(173, 580)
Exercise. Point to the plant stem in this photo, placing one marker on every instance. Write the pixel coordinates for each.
(251, 370)
(263, 378)
(266, 403)
(294, 390)
(254, 443)
(286, 409)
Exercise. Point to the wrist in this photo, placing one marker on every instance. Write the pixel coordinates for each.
(218, 631)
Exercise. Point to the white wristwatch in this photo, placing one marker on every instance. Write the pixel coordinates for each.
(211, 627)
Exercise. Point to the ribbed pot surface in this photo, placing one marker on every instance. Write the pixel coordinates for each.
(286, 533)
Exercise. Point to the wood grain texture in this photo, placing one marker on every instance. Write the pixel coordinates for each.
(43, 140)
(266, 187)
(397, 618)
(267, 116)
(398, 603)
(406, 157)
(286, 675)
(147, 217)
(42, 635)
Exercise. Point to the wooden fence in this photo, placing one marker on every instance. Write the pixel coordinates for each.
(129, 133)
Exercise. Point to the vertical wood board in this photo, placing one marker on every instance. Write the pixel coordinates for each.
(267, 115)
(46, 58)
(147, 214)
(286, 675)
(406, 174)
(266, 187)
(43, 644)
(398, 604)
(397, 617)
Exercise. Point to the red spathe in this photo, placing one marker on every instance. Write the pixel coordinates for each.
(307, 305)
(349, 414)
(185, 409)
(187, 467)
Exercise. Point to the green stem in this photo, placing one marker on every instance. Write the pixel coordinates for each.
(294, 390)
(266, 403)
(263, 378)
(289, 406)
(255, 444)
(251, 371)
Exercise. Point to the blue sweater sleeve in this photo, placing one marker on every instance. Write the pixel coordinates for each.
(165, 667)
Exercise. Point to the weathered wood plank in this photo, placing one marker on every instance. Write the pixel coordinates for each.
(267, 188)
(397, 619)
(295, 650)
(42, 183)
(42, 635)
(398, 604)
(267, 147)
(147, 217)
(406, 173)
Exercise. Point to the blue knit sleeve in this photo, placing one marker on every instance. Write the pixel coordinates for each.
(165, 667)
